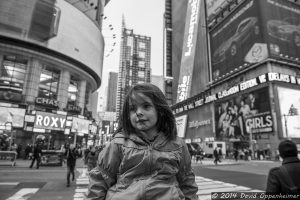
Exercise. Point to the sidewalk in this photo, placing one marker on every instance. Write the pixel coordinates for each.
(210, 162)
(21, 163)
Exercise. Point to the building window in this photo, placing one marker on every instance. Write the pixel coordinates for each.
(73, 90)
(141, 74)
(12, 74)
(142, 45)
(141, 63)
(141, 54)
(49, 80)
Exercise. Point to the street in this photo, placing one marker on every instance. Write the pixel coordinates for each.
(49, 183)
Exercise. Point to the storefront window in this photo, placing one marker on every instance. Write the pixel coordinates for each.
(73, 91)
(13, 71)
(49, 79)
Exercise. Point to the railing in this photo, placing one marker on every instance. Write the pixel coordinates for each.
(8, 158)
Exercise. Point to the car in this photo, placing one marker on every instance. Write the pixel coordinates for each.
(287, 30)
(229, 48)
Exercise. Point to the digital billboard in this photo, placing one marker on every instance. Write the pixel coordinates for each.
(213, 7)
(181, 125)
(80, 126)
(282, 27)
(240, 114)
(188, 50)
(237, 40)
(56, 25)
(200, 125)
(13, 115)
(290, 111)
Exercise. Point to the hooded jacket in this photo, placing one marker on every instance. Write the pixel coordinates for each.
(135, 169)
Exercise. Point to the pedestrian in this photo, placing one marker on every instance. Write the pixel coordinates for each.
(285, 179)
(220, 153)
(37, 154)
(92, 158)
(27, 151)
(236, 154)
(71, 155)
(216, 155)
(145, 159)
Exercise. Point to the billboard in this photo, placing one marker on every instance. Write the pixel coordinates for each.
(188, 50)
(237, 40)
(213, 7)
(80, 126)
(14, 115)
(50, 121)
(56, 25)
(289, 105)
(200, 123)
(281, 21)
(181, 125)
(240, 114)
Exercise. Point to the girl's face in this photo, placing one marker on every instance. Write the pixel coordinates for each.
(143, 114)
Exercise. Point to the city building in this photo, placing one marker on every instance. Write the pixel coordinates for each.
(49, 69)
(158, 81)
(112, 92)
(134, 66)
(249, 93)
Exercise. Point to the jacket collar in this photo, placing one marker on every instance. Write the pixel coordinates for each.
(290, 160)
(159, 140)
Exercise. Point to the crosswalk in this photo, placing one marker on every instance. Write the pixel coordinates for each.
(205, 188)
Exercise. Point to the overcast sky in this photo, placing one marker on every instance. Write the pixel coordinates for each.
(145, 17)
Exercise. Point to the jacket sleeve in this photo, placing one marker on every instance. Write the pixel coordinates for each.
(186, 176)
(105, 174)
(273, 182)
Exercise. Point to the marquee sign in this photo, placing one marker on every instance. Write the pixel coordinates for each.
(50, 121)
(268, 77)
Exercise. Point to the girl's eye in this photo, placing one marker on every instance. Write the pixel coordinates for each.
(132, 108)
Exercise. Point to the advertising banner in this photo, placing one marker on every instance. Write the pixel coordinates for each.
(281, 21)
(188, 50)
(240, 114)
(214, 6)
(237, 40)
(290, 111)
(80, 125)
(51, 121)
(181, 125)
(200, 123)
(13, 115)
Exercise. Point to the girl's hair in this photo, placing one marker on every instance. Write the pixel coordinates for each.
(165, 119)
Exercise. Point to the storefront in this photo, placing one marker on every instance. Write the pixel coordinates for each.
(257, 113)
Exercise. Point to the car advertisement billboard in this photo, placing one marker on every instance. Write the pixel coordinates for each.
(50, 121)
(289, 106)
(13, 115)
(237, 40)
(238, 115)
(282, 24)
(56, 25)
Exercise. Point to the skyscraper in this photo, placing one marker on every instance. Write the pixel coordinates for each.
(112, 92)
(134, 62)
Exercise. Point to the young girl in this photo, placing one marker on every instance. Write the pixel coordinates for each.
(145, 160)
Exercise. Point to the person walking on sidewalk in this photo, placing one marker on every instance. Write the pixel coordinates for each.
(71, 155)
(285, 179)
(37, 154)
(217, 156)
